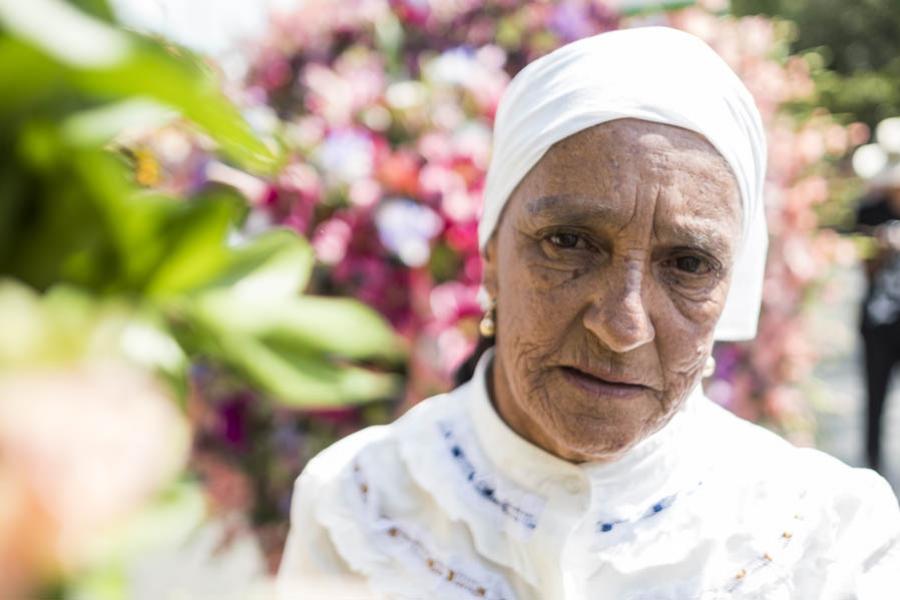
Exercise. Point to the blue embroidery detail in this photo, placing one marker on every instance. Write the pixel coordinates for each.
(607, 526)
(527, 519)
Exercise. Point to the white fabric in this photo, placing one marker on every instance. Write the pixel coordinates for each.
(652, 73)
(448, 503)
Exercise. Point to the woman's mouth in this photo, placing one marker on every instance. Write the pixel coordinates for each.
(598, 386)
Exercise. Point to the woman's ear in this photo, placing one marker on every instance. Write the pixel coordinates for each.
(489, 267)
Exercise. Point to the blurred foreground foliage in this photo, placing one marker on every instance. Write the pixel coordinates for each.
(72, 213)
(111, 291)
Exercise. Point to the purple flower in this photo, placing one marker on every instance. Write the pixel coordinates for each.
(346, 155)
(571, 20)
(406, 228)
(233, 415)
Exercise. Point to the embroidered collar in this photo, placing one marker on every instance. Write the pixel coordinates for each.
(650, 472)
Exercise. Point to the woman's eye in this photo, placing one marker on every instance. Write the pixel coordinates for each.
(564, 240)
(691, 264)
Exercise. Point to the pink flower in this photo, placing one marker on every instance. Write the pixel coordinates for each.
(273, 70)
(330, 241)
(452, 301)
(92, 443)
(454, 347)
(463, 236)
(414, 12)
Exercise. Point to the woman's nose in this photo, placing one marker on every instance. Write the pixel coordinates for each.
(618, 315)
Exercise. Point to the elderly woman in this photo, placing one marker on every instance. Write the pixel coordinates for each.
(622, 233)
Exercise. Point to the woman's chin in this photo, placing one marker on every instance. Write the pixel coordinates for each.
(588, 438)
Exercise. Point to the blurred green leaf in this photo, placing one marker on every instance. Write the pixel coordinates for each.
(276, 264)
(73, 213)
(32, 74)
(632, 8)
(66, 325)
(105, 63)
(296, 348)
(99, 126)
(181, 81)
(64, 32)
(304, 379)
(99, 9)
(195, 241)
(332, 326)
(338, 326)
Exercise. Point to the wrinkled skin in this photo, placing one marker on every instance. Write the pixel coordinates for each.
(610, 266)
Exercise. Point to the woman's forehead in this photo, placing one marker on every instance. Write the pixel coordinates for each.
(631, 156)
(655, 144)
(611, 173)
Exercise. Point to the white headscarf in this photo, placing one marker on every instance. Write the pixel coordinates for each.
(652, 73)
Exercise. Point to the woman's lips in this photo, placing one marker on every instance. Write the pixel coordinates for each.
(601, 387)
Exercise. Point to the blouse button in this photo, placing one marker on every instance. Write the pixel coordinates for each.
(572, 485)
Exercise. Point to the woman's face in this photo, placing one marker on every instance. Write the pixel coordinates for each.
(610, 267)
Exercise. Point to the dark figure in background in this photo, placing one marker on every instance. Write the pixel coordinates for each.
(879, 216)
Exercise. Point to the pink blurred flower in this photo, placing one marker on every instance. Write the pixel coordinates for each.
(463, 236)
(452, 301)
(331, 239)
(414, 12)
(92, 442)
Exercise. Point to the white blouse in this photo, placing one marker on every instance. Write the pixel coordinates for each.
(449, 503)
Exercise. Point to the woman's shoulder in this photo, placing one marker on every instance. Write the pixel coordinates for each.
(339, 456)
(372, 501)
(854, 508)
(762, 454)
(839, 526)
(378, 471)
(381, 445)
(754, 444)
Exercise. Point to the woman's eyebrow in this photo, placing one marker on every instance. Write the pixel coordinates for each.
(575, 207)
(582, 210)
(702, 237)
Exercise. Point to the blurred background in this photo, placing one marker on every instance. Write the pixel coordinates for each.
(234, 231)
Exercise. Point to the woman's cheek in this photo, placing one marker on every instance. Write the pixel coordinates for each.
(699, 313)
(548, 275)
(681, 362)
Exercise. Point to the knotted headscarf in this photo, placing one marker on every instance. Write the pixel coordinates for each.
(656, 74)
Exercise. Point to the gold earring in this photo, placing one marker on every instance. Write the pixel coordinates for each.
(710, 367)
(487, 327)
